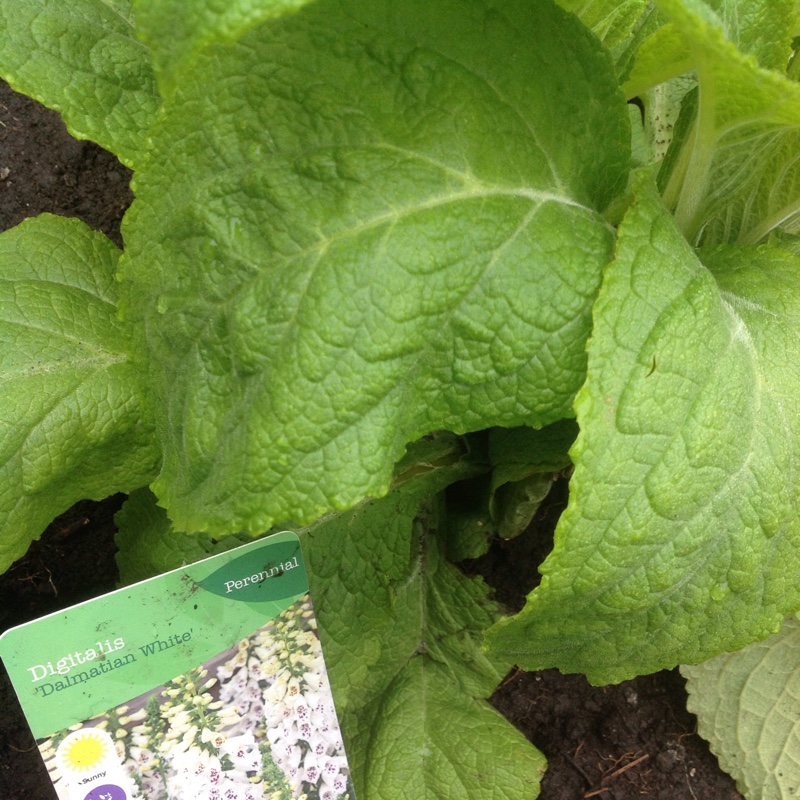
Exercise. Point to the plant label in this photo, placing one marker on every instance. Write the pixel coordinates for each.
(207, 682)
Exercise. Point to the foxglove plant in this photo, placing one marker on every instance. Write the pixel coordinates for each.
(241, 680)
(204, 761)
(301, 722)
(382, 253)
(278, 684)
(145, 765)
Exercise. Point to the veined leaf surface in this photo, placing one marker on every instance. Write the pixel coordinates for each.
(71, 423)
(737, 177)
(622, 27)
(82, 58)
(762, 29)
(680, 540)
(399, 228)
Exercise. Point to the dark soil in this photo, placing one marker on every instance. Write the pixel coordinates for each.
(615, 743)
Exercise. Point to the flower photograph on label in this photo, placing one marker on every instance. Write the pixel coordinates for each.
(256, 722)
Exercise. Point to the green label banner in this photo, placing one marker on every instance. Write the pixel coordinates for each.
(258, 576)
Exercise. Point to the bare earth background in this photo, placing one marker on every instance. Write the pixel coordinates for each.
(635, 740)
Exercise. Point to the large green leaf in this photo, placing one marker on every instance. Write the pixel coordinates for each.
(82, 58)
(177, 30)
(747, 707)
(738, 176)
(681, 537)
(363, 223)
(402, 634)
(71, 423)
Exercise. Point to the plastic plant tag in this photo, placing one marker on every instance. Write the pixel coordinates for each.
(206, 682)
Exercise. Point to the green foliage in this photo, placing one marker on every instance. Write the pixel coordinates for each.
(382, 254)
(83, 58)
(71, 419)
(178, 31)
(433, 322)
(402, 638)
(671, 550)
(745, 135)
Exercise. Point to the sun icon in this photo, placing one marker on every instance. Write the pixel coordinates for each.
(85, 750)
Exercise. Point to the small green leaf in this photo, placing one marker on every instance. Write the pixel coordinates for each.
(71, 420)
(402, 629)
(517, 453)
(515, 503)
(746, 705)
(149, 546)
(408, 242)
(82, 58)
(468, 529)
(671, 549)
(524, 461)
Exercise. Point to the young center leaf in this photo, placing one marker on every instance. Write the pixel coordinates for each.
(616, 24)
(525, 463)
(402, 632)
(746, 707)
(680, 540)
(71, 422)
(82, 58)
(364, 222)
(737, 177)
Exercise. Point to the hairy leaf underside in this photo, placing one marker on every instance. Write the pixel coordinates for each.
(746, 707)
